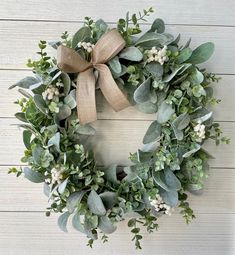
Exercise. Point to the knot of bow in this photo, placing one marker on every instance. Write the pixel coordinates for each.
(69, 61)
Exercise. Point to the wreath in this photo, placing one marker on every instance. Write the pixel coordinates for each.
(151, 71)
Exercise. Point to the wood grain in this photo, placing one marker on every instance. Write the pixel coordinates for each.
(223, 112)
(34, 233)
(112, 143)
(22, 195)
(199, 12)
(18, 47)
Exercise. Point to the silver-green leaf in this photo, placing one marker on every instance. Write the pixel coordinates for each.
(131, 53)
(74, 199)
(33, 176)
(105, 225)
(153, 133)
(164, 112)
(95, 204)
(202, 53)
(142, 93)
(63, 220)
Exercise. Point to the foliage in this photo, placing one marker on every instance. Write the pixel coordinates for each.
(160, 76)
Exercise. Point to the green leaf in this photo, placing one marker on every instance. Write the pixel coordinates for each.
(158, 178)
(164, 112)
(115, 65)
(192, 151)
(131, 53)
(198, 91)
(151, 39)
(66, 81)
(105, 225)
(184, 55)
(95, 204)
(55, 141)
(171, 180)
(202, 53)
(182, 121)
(204, 117)
(64, 112)
(147, 107)
(27, 82)
(76, 223)
(83, 34)
(21, 116)
(33, 176)
(158, 26)
(25, 93)
(86, 130)
(169, 77)
(153, 133)
(109, 199)
(178, 133)
(63, 220)
(40, 103)
(169, 197)
(142, 93)
(27, 138)
(74, 199)
(155, 69)
(110, 174)
(62, 186)
(70, 101)
(196, 77)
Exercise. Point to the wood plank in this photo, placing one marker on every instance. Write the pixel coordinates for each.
(179, 12)
(33, 233)
(14, 57)
(112, 142)
(225, 91)
(18, 194)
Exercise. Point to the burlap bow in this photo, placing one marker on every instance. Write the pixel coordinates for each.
(108, 46)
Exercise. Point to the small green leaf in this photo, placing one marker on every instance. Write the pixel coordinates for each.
(110, 174)
(27, 82)
(158, 26)
(63, 220)
(153, 133)
(151, 39)
(109, 199)
(27, 138)
(184, 55)
(171, 180)
(74, 199)
(86, 130)
(142, 93)
(182, 121)
(169, 197)
(70, 101)
(202, 53)
(40, 103)
(170, 76)
(83, 34)
(115, 65)
(164, 112)
(147, 107)
(105, 225)
(131, 53)
(155, 69)
(76, 223)
(33, 176)
(64, 112)
(192, 151)
(55, 141)
(95, 204)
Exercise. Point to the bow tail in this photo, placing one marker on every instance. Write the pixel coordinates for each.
(86, 104)
(113, 94)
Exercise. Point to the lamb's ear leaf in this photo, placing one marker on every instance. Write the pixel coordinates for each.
(63, 220)
(76, 223)
(182, 121)
(164, 112)
(115, 65)
(202, 53)
(82, 35)
(158, 26)
(142, 93)
(33, 176)
(74, 199)
(169, 197)
(26, 82)
(105, 225)
(131, 53)
(153, 133)
(27, 134)
(95, 204)
(110, 174)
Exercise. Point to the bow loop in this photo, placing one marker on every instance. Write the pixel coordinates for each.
(108, 46)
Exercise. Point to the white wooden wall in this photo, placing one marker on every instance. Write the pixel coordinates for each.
(24, 230)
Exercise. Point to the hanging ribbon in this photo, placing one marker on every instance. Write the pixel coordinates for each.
(69, 61)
